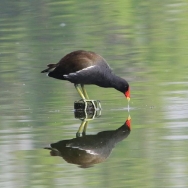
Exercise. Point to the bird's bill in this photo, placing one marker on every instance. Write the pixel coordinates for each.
(127, 94)
(128, 122)
(128, 98)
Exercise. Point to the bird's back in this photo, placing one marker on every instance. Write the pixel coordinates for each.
(77, 61)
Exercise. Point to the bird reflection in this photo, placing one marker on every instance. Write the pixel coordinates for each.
(87, 150)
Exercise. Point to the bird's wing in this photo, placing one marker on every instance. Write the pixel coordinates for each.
(88, 75)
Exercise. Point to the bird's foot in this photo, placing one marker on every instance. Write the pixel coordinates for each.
(87, 109)
(87, 105)
(91, 104)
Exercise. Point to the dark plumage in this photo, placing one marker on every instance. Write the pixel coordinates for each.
(84, 67)
(90, 149)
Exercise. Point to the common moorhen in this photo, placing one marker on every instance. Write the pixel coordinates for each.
(85, 67)
(88, 150)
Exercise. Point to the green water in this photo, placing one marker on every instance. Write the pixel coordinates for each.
(144, 42)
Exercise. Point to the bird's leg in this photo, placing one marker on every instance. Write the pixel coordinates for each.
(85, 127)
(82, 127)
(87, 97)
(79, 91)
(83, 94)
(84, 91)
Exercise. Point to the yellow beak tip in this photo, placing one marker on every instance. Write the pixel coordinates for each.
(129, 117)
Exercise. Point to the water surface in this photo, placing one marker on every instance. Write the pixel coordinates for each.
(144, 42)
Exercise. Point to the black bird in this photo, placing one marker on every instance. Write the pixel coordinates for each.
(85, 67)
(88, 150)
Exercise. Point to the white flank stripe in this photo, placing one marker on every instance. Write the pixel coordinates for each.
(87, 150)
(91, 152)
(75, 73)
(90, 67)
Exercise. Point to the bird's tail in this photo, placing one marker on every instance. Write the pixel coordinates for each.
(50, 68)
(53, 152)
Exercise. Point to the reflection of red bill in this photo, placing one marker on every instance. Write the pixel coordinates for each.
(128, 122)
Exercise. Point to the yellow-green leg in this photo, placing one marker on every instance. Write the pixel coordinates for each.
(84, 91)
(79, 91)
(85, 127)
(81, 128)
(87, 97)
